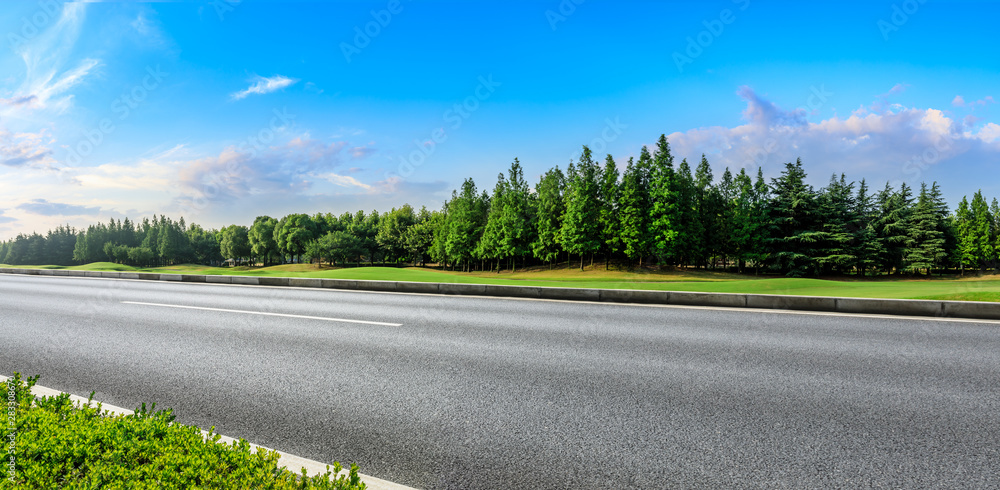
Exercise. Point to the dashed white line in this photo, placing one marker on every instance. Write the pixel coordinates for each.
(344, 320)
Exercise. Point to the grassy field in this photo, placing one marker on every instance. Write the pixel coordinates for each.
(985, 288)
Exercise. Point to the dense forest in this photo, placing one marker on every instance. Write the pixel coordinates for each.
(654, 213)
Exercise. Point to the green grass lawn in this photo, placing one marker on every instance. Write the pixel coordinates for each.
(985, 288)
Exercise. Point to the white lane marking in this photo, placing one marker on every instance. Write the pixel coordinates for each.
(366, 322)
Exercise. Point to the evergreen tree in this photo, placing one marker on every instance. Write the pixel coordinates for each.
(608, 203)
(726, 192)
(867, 247)
(491, 246)
(925, 244)
(517, 217)
(466, 219)
(663, 211)
(838, 226)
(634, 209)
(581, 232)
(792, 223)
(893, 226)
(982, 231)
(549, 213)
(966, 250)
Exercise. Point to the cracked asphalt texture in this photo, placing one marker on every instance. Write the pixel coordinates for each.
(498, 393)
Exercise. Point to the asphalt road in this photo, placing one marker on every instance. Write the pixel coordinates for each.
(494, 393)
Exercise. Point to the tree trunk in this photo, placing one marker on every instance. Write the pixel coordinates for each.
(581, 261)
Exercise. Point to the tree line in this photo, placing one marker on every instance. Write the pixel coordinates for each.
(652, 213)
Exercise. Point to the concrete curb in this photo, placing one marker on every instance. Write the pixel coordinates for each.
(289, 461)
(904, 307)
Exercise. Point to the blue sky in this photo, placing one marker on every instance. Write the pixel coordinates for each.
(221, 111)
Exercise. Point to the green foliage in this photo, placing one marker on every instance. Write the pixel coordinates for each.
(633, 209)
(549, 209)
(293, 233)
(581, 232)
(262, 242)
(234, 243)
(608, 204)
(676, 216)
(466, 220)
(793, 227)
(664, 214)
(391, 235)
(60, 445)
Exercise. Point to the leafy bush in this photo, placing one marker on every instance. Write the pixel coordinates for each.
(61, 445)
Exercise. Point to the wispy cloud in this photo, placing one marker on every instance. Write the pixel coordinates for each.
(47, 81)
(343, 180)
(46, 208)
(264, 85)
(21, 149)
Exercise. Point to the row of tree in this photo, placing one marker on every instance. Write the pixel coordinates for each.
(652, 212)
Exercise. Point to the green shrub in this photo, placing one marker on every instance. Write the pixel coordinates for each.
(59, 445)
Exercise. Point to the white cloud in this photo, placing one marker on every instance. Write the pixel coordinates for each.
(880, 144)
(343, 180)
(264, 85)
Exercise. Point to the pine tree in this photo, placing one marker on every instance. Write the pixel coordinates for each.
(517, 229)
(867, 247)
(966, 250)
(466, 219)
(982, 231)
(491, 246)
(709, 207)
(893, 225)
(581, 233)
(726, 220)
(550, 208)
(838, 223)
(663, 210)
(608, 202)
(689, 241)
(633, 209)
(792, 223)
(925, 244)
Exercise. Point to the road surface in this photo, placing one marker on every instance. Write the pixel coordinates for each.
(463, 392)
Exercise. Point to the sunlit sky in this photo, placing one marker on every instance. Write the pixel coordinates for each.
(220, 111)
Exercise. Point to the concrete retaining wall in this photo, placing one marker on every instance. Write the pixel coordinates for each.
(955, 309)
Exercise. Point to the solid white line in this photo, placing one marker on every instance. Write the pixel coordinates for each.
(366, 322)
